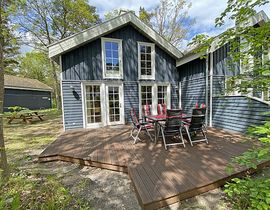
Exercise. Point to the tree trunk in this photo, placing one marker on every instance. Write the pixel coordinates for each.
(56, 86)
(3, 157)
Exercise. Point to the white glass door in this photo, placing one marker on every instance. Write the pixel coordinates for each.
(114, 96)
(93, 105)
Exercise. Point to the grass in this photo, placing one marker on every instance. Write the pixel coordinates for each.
(22, 139)
(27, 188)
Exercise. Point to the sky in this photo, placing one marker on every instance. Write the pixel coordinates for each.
(203, 11)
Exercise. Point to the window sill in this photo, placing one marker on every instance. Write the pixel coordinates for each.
(146, 78)
(113, 77)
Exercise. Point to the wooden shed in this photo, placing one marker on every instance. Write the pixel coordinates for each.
(26, 92)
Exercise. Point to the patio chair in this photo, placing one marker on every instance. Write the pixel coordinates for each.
(198, 111)
(138, 126)
(196, 126)
(146, 110)
(172, 127)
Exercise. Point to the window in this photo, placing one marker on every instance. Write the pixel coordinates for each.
(162, 94)
(146, 53)
(154, 94)
(112, 58)
(146, 95)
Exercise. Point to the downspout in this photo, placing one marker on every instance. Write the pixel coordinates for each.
(180, 95)
(206, 86)
(211, 90)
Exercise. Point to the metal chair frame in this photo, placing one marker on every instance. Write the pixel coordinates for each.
(138, 126)
(196, 125)
(172, 126)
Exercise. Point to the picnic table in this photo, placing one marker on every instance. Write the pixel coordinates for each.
(158, 118)
(26, 116)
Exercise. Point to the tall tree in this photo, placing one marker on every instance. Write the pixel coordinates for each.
(35, 65)
(44, 21)
(5, 10)
(171, 20)
(11, 50)
(145, 15)
(116, 12)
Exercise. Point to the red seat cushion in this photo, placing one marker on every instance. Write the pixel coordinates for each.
(159, 109)
(164, 109)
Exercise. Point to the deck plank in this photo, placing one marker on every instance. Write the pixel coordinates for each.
(160, 177)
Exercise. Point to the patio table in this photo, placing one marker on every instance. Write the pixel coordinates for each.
(26, 116)
(158, 118)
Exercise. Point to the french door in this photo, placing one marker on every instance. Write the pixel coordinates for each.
(94, 116)
(103, 105)
(114, 99)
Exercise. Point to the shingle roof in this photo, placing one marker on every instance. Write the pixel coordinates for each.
(24, 83)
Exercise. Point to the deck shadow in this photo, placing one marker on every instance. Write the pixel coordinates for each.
(160, 177)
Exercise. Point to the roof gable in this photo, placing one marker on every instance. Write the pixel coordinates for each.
(97, 31)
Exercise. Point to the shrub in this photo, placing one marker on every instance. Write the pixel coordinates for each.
(249, 193)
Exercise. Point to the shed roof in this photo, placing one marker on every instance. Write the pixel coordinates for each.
(15, 82)
(67, 44)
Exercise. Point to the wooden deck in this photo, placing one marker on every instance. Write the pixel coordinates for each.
(160, 177)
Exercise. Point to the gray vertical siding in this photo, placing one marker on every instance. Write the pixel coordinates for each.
(193, 81)
(85, 63)
(237, 113)
(221, 62)
(72, 101)
(31, 99)
(192, 91)
(131, 99)
(174, 96)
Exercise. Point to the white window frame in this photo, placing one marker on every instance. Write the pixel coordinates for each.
(154, 96)
(168, 85)
(120, 57)
(153, 68)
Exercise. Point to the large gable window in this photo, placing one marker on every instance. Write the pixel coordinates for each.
(146, 53)
(112, 58)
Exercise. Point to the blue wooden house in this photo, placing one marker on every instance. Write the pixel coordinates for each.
(124, 63)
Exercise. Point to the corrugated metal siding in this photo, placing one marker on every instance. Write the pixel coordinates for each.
(237, 113)
(31, 99)
(72, 101)
(193, 81)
